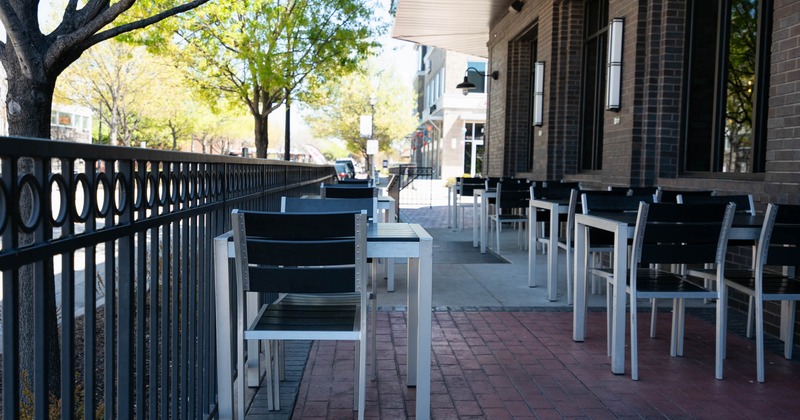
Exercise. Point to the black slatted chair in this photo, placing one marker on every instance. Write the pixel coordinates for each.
(338, 205)
(744, 205)
(669, 234)
(347, 191)
(774, 276)
(671, 196)
(356, 181)
(511, 206)
(467, 187)
(602, 241)
(279, 253)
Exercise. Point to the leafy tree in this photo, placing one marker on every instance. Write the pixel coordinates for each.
(33, 62)
(336, 109)
(115, 81)
(257, 52)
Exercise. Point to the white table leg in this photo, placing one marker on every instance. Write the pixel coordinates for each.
(412, 300)
(533, 233)
(224, 331)
(475, 226)
(552, 256)
(579, 306)
(620, 293)
(424, 332)
(484, 222)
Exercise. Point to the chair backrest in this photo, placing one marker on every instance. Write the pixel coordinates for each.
(564, 184)
(469, 185)
(671, 196)
(615, 188)
(642, 190)
(492, 181)
(356, 181)
(744, 202)
(668, 233)
(329, 205)
(550, 192)
(779, 243)
(510, 197)
(612, 201)
(300, 252)
(347, 191)
(633, 190)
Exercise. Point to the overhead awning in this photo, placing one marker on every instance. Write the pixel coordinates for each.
(456, 25)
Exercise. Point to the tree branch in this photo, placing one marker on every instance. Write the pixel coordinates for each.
(86, 36)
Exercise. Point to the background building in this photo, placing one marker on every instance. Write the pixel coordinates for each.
(450, 135)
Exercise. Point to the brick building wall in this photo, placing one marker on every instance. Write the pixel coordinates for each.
(642, 141)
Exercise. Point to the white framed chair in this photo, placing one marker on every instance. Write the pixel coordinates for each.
(511, 206)
(678, 234)
(467, 187)
(774, 275)
(311, 253)
(333, 205)
(744, 205)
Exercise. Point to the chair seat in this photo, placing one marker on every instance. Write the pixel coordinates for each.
(510, 217)
(775, 287)
(661, 283)
(322, 299)
(316, 320)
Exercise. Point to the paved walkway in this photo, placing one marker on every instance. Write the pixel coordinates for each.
(501, 350)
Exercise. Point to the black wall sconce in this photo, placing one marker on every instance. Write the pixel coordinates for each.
(516, 6)
(467, 86)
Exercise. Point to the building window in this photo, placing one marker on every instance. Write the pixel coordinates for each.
(473, 148)
(727, 73)
(532, 40)
(594, 84)
(474, 77)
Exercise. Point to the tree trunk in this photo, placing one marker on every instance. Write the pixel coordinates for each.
(262, 136)
(29, 104)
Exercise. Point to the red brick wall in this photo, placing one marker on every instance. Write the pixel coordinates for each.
(644, 147)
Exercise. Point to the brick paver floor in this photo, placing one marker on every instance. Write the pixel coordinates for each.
(524, 364)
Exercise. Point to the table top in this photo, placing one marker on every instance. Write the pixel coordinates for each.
(739, 220)
(391, 232)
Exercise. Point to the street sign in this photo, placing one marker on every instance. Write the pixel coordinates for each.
(372, 147)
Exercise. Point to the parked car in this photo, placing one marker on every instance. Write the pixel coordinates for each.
(351, 168)
(342, 171)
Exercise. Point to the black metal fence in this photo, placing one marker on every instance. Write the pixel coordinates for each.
(123, 237)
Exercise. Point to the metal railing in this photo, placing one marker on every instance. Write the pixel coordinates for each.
(124, 238)
(414, 184)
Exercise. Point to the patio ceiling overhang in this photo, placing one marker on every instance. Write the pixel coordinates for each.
(456, 25)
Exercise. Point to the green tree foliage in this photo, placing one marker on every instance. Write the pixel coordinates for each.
(256, 52)
(336, 109)
(33, 60)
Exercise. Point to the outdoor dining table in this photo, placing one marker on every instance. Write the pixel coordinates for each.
(384, 240)
(557, 209)
(622, 225)
(483, 195)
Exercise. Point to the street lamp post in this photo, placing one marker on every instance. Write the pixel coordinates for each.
(370, 161)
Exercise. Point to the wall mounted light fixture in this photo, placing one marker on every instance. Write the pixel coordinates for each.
(614, 75)
(467, 86)
(538, 92)
(516, 6)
